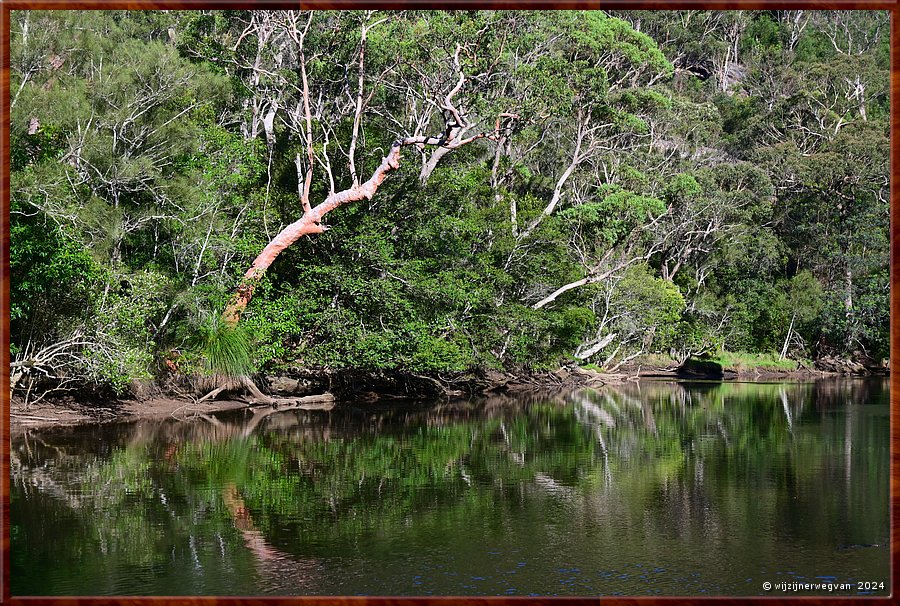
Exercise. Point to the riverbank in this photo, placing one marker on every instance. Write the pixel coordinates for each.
(70, 411)
(304, 389)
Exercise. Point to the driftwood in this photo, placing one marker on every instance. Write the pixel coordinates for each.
(33, 417)
(324, 401)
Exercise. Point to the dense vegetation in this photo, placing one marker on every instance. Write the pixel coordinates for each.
(664, 182)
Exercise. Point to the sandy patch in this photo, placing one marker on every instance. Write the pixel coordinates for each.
(70, 412)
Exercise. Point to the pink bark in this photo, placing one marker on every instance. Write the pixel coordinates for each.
(310, 222)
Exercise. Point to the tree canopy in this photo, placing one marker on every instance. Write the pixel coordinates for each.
(526, 189)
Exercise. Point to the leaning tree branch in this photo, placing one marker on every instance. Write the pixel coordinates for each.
(311, 221)
(577, 158)
(595, 275)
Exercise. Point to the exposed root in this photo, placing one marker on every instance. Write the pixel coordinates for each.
(259, 396)
(212, 395)
(323, 401)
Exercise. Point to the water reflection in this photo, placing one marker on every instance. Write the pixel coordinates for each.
(651, 487)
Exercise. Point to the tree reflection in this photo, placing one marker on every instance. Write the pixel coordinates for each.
(273, 496)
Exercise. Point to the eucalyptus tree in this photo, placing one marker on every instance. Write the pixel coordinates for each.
(330, 81)
(824, 140)
(106, 119)
(591, 71)
(495, 188)
(564, 96)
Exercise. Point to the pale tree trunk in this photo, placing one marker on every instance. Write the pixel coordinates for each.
(457, 126)
(848, 297)
(796, 27)
(595, 275)
(577, 158)
(429, 165)
(787, 339)
(598, 346)
(566, 288)
(496, 182)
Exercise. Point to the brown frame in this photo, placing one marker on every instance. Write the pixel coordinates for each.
(8, 5)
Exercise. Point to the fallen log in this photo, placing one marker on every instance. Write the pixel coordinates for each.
(323, 401)
(33, 417)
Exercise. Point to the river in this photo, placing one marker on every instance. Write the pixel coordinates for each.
(650, 488)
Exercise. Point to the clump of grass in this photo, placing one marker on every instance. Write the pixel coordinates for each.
(739, 360)
(226, 349)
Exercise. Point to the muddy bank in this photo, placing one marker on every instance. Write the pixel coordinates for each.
(70, 411)
(304, 389)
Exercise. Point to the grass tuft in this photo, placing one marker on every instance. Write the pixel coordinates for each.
(742, 361)
(226, 349)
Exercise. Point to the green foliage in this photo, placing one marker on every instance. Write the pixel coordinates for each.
(614, 217)
(42, 258)
(724, 203)
(651, 307)
(225, 349)
(743, 361)
(681, 186)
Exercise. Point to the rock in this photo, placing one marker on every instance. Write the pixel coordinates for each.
(841, 365)
(696, 368)
(284, 386)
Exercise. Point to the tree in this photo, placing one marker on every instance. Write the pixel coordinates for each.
(825, 141)
(501, 177)
(293, 29)
(107, 115)
(637, 313)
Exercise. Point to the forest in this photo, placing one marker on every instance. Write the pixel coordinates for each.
(200, 193)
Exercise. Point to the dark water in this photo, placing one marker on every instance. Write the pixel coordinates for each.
(652, 488)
